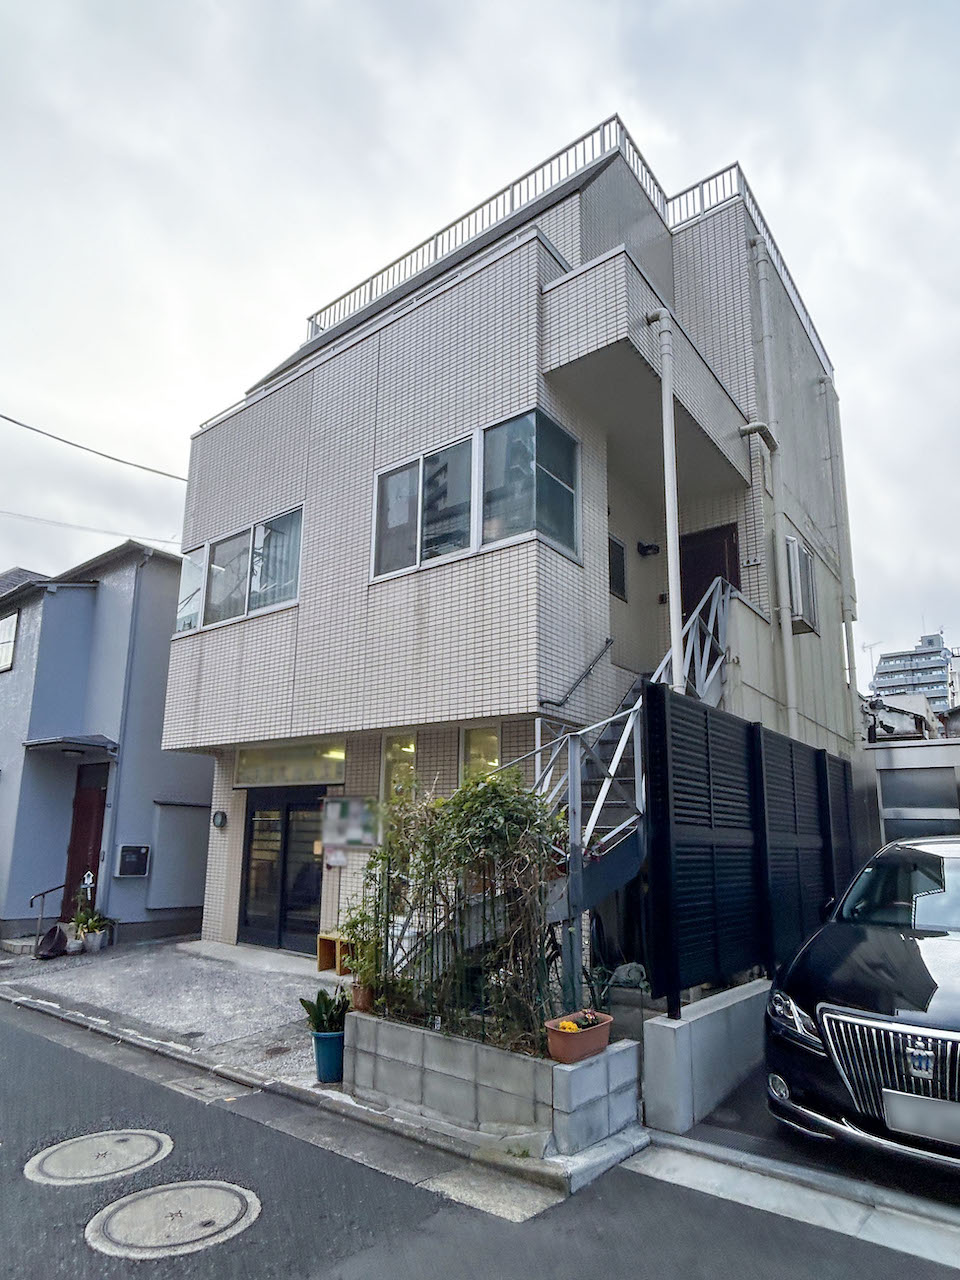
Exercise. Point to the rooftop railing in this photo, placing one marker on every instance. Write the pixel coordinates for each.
(606, 139)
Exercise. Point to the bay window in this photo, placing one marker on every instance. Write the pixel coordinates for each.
(513, 478)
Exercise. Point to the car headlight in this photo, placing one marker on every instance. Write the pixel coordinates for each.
(788, 1014)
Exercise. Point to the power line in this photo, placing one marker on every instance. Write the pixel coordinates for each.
(97, 453)
(85, 528)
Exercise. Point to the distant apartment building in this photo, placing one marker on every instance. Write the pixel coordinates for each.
(87, 796)
(488, 493)
(928, 668)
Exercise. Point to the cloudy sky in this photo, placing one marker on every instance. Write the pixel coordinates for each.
(185, 181)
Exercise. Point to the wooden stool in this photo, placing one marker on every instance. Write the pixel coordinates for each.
(333, 953)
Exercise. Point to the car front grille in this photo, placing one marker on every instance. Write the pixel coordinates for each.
(873, 1056)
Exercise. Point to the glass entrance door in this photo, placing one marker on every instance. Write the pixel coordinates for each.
(283, 869)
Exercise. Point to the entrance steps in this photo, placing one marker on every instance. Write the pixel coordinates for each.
(18, 946)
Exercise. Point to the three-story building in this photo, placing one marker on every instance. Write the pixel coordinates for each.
(519, 454)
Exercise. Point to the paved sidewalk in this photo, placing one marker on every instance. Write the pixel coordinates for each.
(238, 1005)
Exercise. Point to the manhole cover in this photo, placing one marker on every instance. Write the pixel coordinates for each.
(162, 1222)
(275, 1050)
(97, 1157)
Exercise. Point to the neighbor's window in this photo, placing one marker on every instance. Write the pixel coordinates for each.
(8, 639)
(191, 590)
(397, 519)
(617, 556)
(530, 480)
(399, 764)
(481, 750)
(445, 520)
(275, 561)
(227, 578)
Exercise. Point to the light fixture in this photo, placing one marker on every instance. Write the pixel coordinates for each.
(219, 819)
(72, 751)
(648, 548)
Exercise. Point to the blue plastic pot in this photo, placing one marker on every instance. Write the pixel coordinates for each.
(328, 1049)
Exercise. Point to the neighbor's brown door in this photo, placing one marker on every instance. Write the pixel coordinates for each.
(704, 556)
(83, 852)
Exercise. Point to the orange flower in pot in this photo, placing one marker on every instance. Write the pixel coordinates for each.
(579, 1035)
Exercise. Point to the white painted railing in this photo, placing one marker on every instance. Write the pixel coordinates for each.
(606, 139)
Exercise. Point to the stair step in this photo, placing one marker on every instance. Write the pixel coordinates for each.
(17, 946)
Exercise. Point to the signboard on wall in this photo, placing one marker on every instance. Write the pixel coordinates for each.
(349, 823)
(321, 761)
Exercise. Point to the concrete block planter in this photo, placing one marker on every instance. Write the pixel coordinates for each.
(560, 1107)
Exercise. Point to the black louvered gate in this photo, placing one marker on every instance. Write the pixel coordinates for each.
(749, 836)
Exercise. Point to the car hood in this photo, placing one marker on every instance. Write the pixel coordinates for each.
(893, 972)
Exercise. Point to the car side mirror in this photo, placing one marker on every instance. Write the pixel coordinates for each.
(827, 909)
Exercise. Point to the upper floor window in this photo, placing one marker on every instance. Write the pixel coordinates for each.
(8, 640)
(515, 478)
(481, 750)
(399, 764)
(249, 571)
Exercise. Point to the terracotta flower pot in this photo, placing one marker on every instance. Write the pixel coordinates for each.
(362, 998)
(574, 1046)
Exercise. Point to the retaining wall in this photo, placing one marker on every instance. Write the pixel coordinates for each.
(479, 1087)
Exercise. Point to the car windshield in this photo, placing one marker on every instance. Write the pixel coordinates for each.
(908, 889)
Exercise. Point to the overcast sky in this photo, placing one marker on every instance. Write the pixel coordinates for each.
(183, 182)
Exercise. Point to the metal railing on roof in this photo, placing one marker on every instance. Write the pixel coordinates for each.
(606, 139)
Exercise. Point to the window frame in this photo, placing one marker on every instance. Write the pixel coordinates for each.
(464, 730)
(404, 731)
(202, 624)
(13, 642)
(477, 545)
(623, 547)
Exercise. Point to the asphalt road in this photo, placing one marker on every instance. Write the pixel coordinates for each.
(325, 1216)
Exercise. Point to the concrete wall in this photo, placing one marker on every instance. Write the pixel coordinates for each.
(615, 210)
(16, 699)
(692, 1063)
(476, 1086)
(63, 663)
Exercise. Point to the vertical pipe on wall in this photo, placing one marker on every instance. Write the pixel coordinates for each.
(571, 945)
(784, 610)
(671, 498)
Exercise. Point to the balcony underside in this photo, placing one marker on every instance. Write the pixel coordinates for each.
(599, 348)
(615, 388)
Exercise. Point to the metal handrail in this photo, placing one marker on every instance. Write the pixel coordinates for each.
(41, 896)
(580, 679)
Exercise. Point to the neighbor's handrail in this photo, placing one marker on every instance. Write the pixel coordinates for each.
(41, 896)
(580, 678)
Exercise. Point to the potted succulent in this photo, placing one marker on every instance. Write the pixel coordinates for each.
(90, 929)
(579, 1035)
(326, 1016)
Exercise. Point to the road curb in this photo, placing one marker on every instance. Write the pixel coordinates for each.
(833, 1184)
(541, 1172)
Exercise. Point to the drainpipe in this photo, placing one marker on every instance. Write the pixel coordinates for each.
(847, 588)
(671, 499)
(783, 609)
(105, 881)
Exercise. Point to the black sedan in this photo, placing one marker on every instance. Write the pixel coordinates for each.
(863, 1024)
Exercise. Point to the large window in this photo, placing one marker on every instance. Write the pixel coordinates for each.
(530, 480)
(399, 764)
(8, 640)
(437, 506)
(249, 571)
(481, 750)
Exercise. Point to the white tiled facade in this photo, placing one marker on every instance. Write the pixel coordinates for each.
(552, 315)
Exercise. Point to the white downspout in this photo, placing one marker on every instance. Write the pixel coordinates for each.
(671, 499)
(783, 609)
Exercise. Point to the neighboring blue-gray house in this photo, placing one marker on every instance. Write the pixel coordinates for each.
(84, 785)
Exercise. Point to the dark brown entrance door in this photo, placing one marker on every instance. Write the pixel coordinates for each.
(706, 555)
(83, 852)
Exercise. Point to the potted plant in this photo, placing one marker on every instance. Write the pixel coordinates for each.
(579, 1035)
(326, 1016)
(95, 932)
(359, 931)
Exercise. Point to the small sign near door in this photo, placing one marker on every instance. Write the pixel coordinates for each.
(134, 860)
